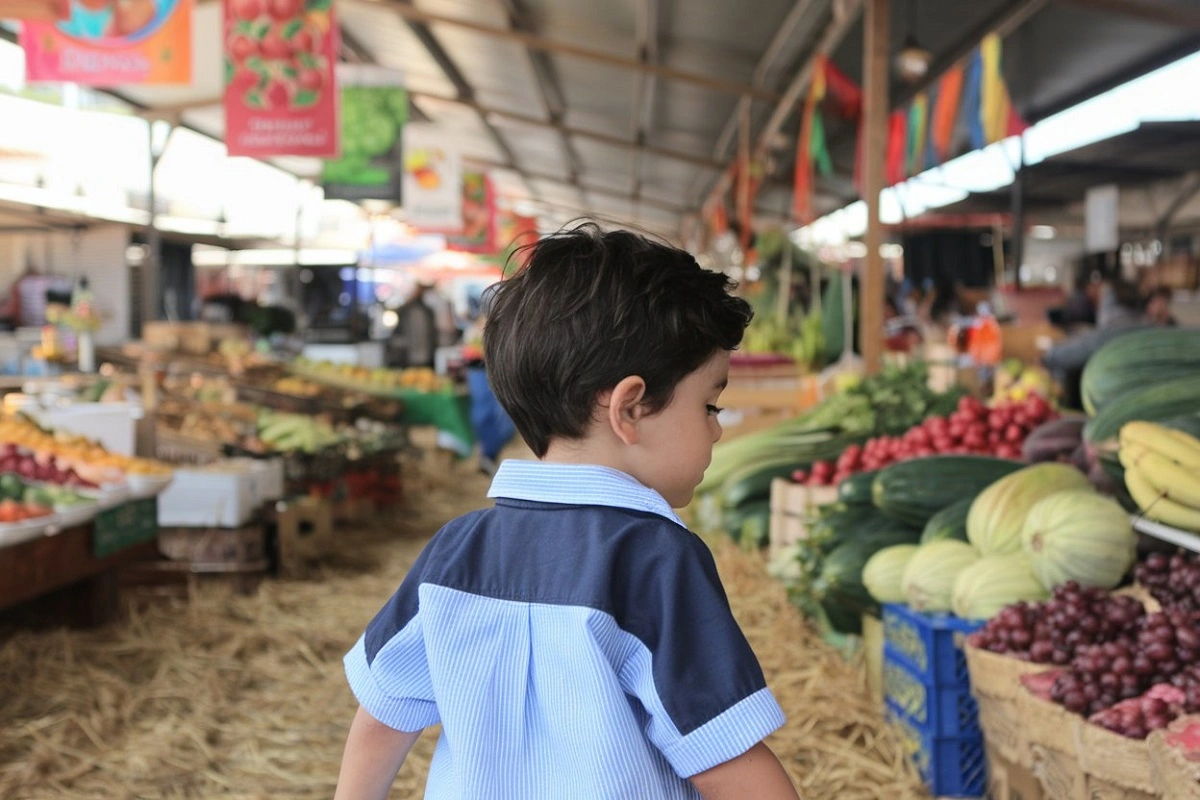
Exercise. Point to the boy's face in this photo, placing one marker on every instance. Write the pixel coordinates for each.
(678, 441)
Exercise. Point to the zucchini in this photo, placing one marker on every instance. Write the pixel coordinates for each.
(840, 583)
(913, 491)
(949, 523)
(1154, 402)
(753, 482)
(856, 490)
(1137, 359)
(732, 519)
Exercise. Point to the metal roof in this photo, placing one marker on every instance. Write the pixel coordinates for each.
(629, 108)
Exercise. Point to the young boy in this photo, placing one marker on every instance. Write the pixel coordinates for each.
(574, 641)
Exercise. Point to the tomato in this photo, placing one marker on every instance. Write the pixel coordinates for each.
(821, 469)
(1007, 451)
(998, 420)
(1013, 433)
(246, 10)
(285, 10)
(975, 439)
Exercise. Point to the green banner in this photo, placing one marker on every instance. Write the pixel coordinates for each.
(124, 526)
(371, 166)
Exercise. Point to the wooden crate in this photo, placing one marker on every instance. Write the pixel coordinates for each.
(793, 505)
(213, 545)
(873, 641)
(303, 532)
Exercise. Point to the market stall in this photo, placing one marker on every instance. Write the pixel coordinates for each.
(1061, 547)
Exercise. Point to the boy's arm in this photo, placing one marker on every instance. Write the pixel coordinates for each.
(755, 773)
(374, 753)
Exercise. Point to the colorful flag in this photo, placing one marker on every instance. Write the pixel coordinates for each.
(280, 92)
(109, 43)
(945, 112)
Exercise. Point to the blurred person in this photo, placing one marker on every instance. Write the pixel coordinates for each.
(491, 422)
(416, 329)
(1158, 307)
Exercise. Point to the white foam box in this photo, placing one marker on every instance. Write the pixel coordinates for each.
(208, 498)
(267, 474)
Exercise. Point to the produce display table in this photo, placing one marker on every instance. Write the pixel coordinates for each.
(71, 574)
(448, 411)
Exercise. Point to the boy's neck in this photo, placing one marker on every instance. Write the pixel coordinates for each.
(589, 450)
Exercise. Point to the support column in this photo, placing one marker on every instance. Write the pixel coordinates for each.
(1018, 214)
(876, 51)
(159, 132)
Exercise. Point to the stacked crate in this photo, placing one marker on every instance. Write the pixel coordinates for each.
(927, 691)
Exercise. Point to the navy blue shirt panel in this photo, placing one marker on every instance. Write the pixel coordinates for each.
(655, 578)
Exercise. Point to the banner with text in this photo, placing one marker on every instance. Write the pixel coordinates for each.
(109, 43)
(374, 112)
(433, 179)
(280, 94)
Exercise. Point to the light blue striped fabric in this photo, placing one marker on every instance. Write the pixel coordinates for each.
(548, 700)
(583, 484)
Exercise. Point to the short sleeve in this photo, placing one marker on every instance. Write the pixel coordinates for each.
(696, 675)
(387, 668)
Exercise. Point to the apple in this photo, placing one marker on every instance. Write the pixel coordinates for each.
(274, 46)
(310, 80)
(241, 48)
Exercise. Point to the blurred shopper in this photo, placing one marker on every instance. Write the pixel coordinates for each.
(415, 337)
(1158, 307)
(491, 422)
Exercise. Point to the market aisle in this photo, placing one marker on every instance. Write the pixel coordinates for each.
(244, 696)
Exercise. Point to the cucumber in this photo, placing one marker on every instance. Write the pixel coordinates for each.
(913, 491)
(753, 483)
(949, 523)
(856, 490)
(733, 519)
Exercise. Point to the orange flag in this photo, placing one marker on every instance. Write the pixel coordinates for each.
(945, 112)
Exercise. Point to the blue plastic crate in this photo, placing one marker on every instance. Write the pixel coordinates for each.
(938, 711)
(926, 644)
(951, 766)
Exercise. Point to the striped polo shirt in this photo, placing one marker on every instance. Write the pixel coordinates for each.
(574, 641)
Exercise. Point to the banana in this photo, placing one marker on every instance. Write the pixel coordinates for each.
(1177, 482)
(1175, 445)
(1131, 454)
(1157, 506)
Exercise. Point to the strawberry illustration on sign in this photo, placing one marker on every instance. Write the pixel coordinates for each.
(280, 57)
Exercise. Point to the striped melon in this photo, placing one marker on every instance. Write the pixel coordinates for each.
(1080, 536)
(992, 583)
(884, 572)
(929, 577)
(997, 515)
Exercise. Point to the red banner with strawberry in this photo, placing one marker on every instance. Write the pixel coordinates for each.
(280, 93)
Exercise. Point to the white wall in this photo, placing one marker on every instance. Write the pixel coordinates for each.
(98, 253)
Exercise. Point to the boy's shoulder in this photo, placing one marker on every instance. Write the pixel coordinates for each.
(544, 552)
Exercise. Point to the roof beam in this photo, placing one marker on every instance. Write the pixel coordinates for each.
(781, 38)
(1002, 22)
(550, 93)
(464, 89)
(602, 191)
(535, 42)
(1148, 10)
(644, 85)
(845, 13)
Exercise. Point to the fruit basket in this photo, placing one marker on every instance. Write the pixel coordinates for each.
(1175, 759)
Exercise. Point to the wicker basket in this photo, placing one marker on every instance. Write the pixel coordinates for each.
(176, 448)
(1175, 777)
(1113, 758)
(1104, 790)
(1002, 730)
(994, 675)
(1058, 773)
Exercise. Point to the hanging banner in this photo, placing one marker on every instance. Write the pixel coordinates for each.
(374, 112)
(107, 43)
(432, 179)
(279, 78)
(478, 216)
(36, 10)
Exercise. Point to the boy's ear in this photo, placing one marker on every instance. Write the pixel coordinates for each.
(624, 408)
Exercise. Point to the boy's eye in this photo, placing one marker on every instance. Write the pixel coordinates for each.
(714, 410)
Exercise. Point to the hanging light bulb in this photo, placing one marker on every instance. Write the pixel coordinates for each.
(912, 62)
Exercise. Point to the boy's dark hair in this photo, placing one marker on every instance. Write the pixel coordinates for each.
(591, 308)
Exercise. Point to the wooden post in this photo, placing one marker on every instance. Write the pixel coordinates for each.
(876, 51)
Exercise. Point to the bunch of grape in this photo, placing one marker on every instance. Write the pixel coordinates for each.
(1174, 581)
(1053, 632)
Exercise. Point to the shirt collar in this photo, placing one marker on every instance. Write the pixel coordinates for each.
(577, 484)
